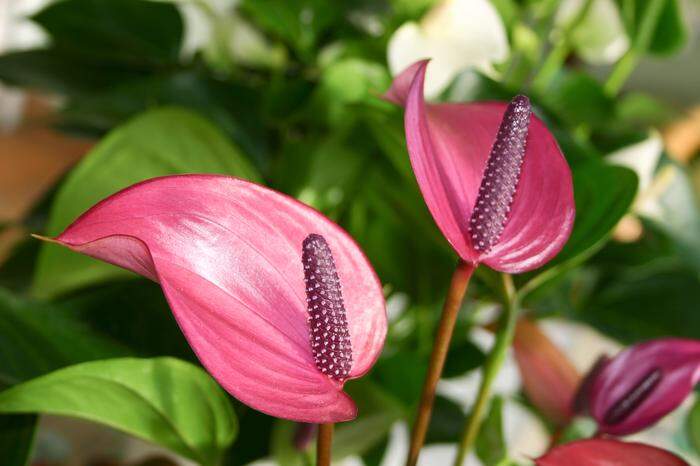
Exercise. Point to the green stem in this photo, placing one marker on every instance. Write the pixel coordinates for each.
(493, 365)
(554, 61)
(642, 40)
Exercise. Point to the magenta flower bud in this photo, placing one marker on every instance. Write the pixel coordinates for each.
(608, 452)
(279, 303)
(492, 176)
(642, 384)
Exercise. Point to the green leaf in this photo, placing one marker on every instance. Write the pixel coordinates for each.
(17, 439)
(490, 445)
(132, 32)
(669, 34)
(603, 195)
(283, 449)
(693, 426)
(577, 98)
(377, 412)
(299, 23)
(48, 70)
(161, 142)
(36, 338)
(166, 401)
(462, 357)
(446, 422)
(134, 313)
(353, 80)
(645, 304)
(228, 104)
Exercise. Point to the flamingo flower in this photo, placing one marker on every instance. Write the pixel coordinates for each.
(278, 302)
(608, 452)
(492, 175)
(642, 384)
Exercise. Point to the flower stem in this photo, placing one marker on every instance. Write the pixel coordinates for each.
(323, 444)
(453, 302)
(642, 41)
(493, 365)
(560, 51)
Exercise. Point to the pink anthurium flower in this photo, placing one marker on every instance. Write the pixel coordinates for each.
(491, 174)
(278, 302)
(608, 452)
(642, 384)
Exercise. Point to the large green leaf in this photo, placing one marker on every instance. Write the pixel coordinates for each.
(577, 98)
(133, 32)
(166, 401)
(603, 195)
(17, 438)
(48, 70)
(227, 103)
(646, 303)
(669, 33)
(161, 142)
(36, 338)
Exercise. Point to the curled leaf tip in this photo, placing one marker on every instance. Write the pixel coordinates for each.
(330, 337)
(501, 176)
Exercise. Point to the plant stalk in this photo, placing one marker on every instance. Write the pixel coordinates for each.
(324, 441)
(624, 67)
(504, 338)
(453, 302)
(560, 51)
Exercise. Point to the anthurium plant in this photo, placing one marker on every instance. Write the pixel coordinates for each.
(417, 232)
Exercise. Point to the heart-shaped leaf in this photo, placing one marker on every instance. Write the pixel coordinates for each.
(132, 32)
(166, 401)
(161, 142)
(36, 338)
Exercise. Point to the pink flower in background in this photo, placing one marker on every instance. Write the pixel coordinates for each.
(492, 175)
(278, 302)
(607, 452)
(642, 384)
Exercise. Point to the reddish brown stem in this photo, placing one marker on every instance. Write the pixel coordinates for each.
(323, 444)
(453, 302)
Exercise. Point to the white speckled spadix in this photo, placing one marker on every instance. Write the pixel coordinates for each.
(501, 176)
(330, 337)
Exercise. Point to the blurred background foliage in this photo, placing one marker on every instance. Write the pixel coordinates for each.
(287, 93)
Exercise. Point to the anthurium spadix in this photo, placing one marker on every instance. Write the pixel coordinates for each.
(278, 302)
(492, 175)
(642, 384)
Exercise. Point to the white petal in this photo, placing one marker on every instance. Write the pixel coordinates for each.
(456, 35)
(642, 157)
(601, 36)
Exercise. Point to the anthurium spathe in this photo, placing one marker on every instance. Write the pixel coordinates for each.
(469, 158)
(642, 384)
(278, 302)
(608, 452)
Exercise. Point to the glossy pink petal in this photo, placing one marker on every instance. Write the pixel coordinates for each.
(228, 255)
(606, 452)
(449, 145)
(643, 383)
